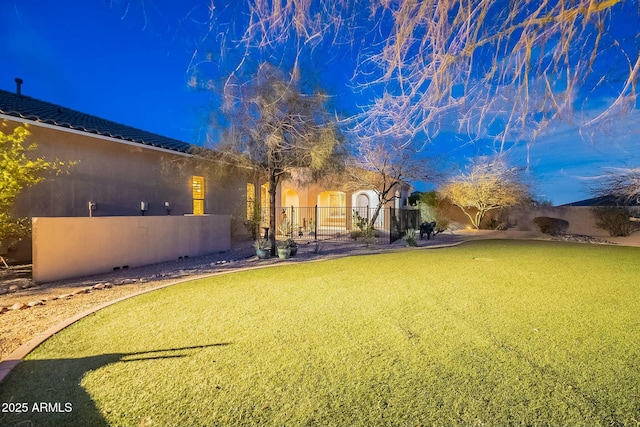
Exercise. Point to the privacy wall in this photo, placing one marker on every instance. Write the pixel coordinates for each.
(73, 247)
(580, 218)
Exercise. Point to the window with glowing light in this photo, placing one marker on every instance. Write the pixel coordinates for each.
(251, 200)
(197, 187)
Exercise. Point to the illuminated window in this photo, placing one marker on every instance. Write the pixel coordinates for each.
(265, 198)
(197, 187)
(251, 200)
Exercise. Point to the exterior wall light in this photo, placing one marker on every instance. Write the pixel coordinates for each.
(167, 207)
(92, 207)
(144, 206)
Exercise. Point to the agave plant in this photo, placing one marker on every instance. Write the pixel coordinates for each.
(410, 237)
(262, 244)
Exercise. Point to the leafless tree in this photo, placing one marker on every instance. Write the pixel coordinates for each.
(276, 129)
(490, 184)
(383, 168)
(622, 184)
(491, 69)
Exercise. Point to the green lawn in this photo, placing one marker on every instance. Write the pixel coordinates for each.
(486, 333)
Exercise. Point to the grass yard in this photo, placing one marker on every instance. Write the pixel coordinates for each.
(486, 333)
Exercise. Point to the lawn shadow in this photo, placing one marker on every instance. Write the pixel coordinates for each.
(49, 392)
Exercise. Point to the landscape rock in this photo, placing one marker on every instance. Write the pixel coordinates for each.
(4, 291)
(18, 306)
(14, 287)
(34, 303)
(4, 310)
(99, 286)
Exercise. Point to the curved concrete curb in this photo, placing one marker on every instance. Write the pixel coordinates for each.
(18, 355)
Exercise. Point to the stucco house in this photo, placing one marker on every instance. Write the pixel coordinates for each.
(122, 171)
(319, 210)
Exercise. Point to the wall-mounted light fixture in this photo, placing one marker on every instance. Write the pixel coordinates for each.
(167, 207)
(144, 206)
(92, 207)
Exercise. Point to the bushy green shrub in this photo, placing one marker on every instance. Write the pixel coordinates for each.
(615, 220)
(551, 226)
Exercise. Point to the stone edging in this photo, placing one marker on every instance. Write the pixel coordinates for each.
(18, 355)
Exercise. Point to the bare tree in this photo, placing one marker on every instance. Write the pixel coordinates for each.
(490, 184)
(499, 70)
(621, 184)
(383, 168)
(276, 129)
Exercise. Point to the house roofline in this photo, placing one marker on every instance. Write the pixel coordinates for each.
(32, 122)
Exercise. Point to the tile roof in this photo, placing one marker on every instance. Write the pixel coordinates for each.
(28, 108)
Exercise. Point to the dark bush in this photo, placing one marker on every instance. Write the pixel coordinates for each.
(615, 220)
(551, 226)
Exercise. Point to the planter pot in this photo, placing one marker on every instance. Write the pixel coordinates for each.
(284, 253)
(294, 250)
(263, 253)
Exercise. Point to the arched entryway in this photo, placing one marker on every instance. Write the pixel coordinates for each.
(289, 219)
(365, 203)
(362, 205)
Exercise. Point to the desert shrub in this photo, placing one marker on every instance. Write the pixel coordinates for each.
(497, 224)
(434, 208)
(253, 223)
(615, 220)
(410, 237)
(363, 228)
(499, 220)
(551, 226)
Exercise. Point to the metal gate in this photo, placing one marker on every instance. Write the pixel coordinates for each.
(342, 223)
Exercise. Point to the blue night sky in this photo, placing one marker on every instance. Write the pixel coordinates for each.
(131, 61)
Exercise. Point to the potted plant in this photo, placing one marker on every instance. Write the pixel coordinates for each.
(292, 245)
(284, 251)
(263, 249)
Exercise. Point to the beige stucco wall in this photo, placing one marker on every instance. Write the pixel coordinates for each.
(74, 247)
(117, 175)
(580, 218)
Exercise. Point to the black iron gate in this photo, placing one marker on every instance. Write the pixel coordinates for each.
(343, 224)
(401, 221)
